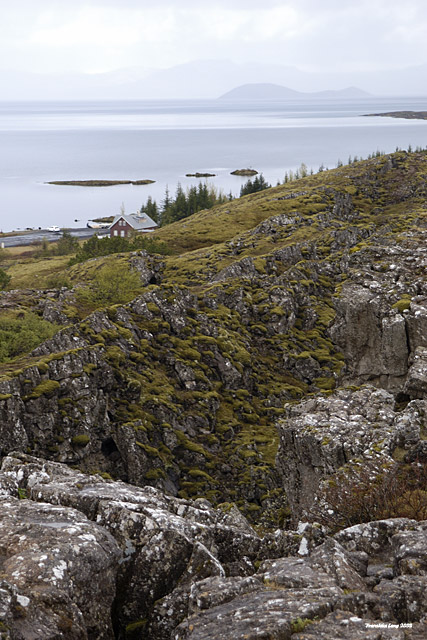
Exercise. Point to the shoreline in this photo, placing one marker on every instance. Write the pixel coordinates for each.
(407, 115)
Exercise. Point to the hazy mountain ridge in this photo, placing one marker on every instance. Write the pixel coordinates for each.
(202, 79)
(270, 91)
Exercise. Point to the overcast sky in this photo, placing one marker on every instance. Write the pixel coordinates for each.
(103, 35)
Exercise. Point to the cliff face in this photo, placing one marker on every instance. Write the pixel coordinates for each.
(277, 365)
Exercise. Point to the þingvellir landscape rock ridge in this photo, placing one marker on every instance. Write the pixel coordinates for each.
(240, 447)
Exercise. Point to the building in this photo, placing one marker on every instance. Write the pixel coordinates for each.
(126, 225)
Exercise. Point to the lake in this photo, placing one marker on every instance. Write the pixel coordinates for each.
(165, 139)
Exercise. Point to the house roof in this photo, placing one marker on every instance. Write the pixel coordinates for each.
(137, 221)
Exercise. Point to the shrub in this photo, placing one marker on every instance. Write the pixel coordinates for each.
(96, 247)
(113, 284)
(4, 279)
(21, 334)
(365, 492)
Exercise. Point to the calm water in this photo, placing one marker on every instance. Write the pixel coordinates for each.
(164, 140)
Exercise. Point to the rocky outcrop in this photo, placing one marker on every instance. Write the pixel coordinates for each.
(151, 546)
(381, 315)
(323, 436)
(174, 569)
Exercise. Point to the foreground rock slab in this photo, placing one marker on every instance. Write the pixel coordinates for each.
(50, 557)
(86, 558)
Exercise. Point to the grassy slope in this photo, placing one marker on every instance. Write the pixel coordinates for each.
(388, 196)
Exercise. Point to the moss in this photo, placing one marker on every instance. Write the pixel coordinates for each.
(299, 624)
(188, 444)
(155, 474)
(45, 388)
(402, 305)
(81, 440)
(115, 355)
(327, 384)
(5, 396)
(89, 368)
(134, 629)
(151, 451)
(198, 473)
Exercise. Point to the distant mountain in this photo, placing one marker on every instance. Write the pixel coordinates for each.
(269, 91)
(207, 79)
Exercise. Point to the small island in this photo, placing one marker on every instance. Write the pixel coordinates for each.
(200, 175)
(98, 183)
(244, 172)
(408, 115)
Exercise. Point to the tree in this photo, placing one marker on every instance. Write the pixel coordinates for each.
(66, 244)
(151, 209)
(252, 186)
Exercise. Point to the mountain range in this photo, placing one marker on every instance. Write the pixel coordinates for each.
(202, 79)
(270, 91)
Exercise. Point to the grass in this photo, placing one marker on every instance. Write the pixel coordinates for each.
(34, 273)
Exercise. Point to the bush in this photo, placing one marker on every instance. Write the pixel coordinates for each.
(4, 279)
(96, 247)
(363, 493)
(113, 284)
(19, 335)
(66, 244)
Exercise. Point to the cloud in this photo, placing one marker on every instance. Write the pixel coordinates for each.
(48, 35)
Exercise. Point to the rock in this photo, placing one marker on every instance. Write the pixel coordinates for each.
(371, 336)
(373, 537)
(416, 381)
(325, 434)
(167, 543)
(410, 551)
(48, 558)
(341, 624)
(333, 559)
(260, 614)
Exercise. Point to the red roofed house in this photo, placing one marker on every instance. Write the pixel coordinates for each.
(125, 225)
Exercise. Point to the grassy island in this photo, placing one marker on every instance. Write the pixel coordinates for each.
(98, 183)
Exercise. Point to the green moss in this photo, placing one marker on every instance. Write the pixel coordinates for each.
(89, 367)
(45, 388)
(115, 355)
(134, 629)
(327, 384)
(80, 440)
(190, 445)
(198, 473)
(155, 474)
(151, 451)
(402, 305)
(299, 624)
(5, 396)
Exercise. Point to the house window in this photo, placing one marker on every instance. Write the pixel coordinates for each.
(122, 233)
(116, 233)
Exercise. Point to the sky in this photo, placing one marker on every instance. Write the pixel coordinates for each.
(93, 36)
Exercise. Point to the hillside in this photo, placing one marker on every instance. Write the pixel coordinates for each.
(270, 366)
